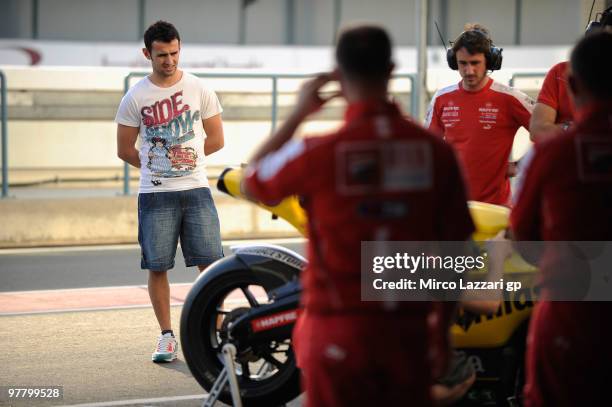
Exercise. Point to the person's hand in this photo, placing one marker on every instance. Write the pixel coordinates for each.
(310, 98)
(499, 247)
(512, 169)
(445, 396)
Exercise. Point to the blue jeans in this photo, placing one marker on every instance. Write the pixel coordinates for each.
(164, 217)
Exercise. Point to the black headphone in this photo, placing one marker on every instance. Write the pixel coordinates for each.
(493, 55)
(605, 18)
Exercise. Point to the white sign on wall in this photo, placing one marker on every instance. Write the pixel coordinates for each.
(271, 59)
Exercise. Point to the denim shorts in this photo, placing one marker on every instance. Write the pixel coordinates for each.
(164, 217)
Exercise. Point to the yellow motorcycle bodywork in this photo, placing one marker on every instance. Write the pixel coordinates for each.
(488, 331)
(288, 209)
(495, 330)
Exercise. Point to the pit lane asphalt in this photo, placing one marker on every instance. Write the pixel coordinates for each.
(100, 357)
(94, 266)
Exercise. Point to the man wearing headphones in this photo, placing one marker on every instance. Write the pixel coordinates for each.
(479, 116)
(554, 109)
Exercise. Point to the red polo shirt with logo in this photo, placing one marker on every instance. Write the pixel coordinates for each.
(554, 93)
(481, 127)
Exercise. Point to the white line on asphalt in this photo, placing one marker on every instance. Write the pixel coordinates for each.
(59, 311)
(63, 249)
(236, 301)
(60, 290)
(139, 401)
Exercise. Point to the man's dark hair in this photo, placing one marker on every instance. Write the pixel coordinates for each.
(475, 39)
(591, 62)
(161, 31)
(364, 53)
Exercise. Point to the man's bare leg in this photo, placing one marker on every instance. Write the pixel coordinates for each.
(159, 292)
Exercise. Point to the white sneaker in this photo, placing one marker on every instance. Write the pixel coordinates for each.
(166, 350)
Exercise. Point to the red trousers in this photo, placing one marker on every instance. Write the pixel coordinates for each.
(569, 355)
(364, 359)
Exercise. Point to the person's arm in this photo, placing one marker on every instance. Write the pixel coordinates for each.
(543, 122)
(277, 169)
(453, 219)
(549, 101)
(309, 101)
(432, 119)
(522, 106)
(481, 306)
(512, 170)
(525, 217)
(443, 395)
(215, 140)
(521, 169)
(126, 144)
(280, 138)
(499, 248)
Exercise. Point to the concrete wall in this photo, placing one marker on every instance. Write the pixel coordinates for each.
(265, 24)
(217, 22)
(88, 20)
(396, 15)
(113, 220)
(16, 19)
(546, 20)
(314, 22)
(198, 21)
(497, 15)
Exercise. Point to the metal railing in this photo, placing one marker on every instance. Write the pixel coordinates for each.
(274, 78)
(523, 75)
(274, 108)
(3, 117)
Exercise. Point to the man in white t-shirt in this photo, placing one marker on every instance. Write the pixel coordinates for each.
(179, 123)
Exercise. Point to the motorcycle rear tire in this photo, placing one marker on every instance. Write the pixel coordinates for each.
(198, 337)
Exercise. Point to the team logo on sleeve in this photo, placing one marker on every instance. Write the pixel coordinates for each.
(594, 158)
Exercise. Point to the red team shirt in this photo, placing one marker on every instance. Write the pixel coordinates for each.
(567, 196)
(415, 169)
(554, 93)
(377, 162)
(481, 127)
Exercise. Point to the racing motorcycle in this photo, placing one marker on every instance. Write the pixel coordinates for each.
(250, 300)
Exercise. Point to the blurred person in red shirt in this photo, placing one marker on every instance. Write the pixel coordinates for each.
(567, 196)
(380, 177)
(554, 109)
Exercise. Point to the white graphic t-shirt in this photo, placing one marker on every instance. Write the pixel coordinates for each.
(171, 133)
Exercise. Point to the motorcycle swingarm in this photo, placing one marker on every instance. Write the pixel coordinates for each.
(268, 322)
